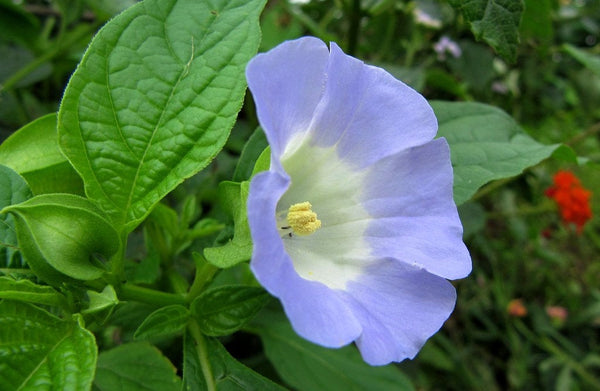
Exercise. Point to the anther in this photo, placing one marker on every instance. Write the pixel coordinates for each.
(302, 219)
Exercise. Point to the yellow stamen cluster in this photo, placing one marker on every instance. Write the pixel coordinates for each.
(302, 219)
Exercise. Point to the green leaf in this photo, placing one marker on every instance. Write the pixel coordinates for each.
(590, 61)
(39, 351)
(494, 21)
(101, 301)
(106, 9)
(154, 99)
(166, 321)
(537, 21)
(33, 152)
(227, 373)
(485, 144)
(135, 367)
(252, 150)
(233, 196)
(263, 162)
(224, 310)
(306, 366)
(16, 24)
(25, 290)
(13, 190)
(63, 234)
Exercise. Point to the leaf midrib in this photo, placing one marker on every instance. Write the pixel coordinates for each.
(45, 359)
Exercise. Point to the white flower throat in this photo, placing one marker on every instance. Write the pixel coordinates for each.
(301, 219)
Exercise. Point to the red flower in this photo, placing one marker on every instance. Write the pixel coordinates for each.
(573, 199)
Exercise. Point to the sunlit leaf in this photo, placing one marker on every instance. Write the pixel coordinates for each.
(154, 99)
(485, 144)
(39, 351)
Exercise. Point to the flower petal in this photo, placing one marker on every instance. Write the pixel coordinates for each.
(287, 83)
(316, 312)
(368, 113)
(409, 196)
(400, 307)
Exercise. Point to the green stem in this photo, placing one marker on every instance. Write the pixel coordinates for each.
(58, 49)
(491, 187)
(592, 130)
(149, 296)
(117, 262)
(15, 270)
(544, 207)
(202, 351)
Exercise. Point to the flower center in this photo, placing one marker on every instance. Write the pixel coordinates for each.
(302, 219)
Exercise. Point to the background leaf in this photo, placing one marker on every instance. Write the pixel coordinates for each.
(590, 61)
(65, 231)
(17, 24)
(13, 190)
(135, 367)
(25, 290)
(223, 310)
(485, 144)
(33, 152)
(165, 321)
(39, 351)
(154, 98)
(494, 21)
(307, 367)
(228, 373)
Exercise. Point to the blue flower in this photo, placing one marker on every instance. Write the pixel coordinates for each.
(353, 226)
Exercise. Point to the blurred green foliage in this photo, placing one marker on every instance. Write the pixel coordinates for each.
(547, 78)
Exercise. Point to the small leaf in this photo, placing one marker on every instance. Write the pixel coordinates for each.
(263, 162)
(25, 290)
(307, 367)
(33, 152)
(252, 150)
(494, 21)
(224, 310)
(154, 98)
(63, 232)
(227, 373)
(13, 190)
(101, 301)
(41, 351)
(233, 196)
(166, 321)
(485, 144)
(134, 367)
